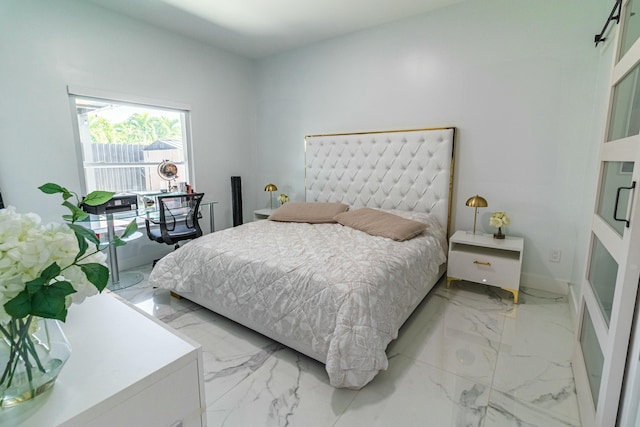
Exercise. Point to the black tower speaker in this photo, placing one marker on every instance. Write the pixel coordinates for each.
(236, 200)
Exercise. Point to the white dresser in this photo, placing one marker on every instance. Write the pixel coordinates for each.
(481, 258)
(126, 369)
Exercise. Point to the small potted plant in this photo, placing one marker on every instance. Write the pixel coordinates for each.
(499, 220)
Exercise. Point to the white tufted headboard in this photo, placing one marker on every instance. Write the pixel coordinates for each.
(411, 170)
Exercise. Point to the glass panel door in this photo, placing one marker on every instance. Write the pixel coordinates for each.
(631, 31)
(613, 201)
(609, 293)
(603, 270)
(625, 116)
(593, 357)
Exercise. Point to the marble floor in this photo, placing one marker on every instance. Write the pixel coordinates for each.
(467, 357)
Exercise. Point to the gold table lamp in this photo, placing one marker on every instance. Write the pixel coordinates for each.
(476, 202)
(270, 188)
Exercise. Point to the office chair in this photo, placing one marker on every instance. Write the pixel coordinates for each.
(177, 220)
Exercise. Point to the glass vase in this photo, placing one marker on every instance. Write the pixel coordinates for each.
(33, 351)
(499, 234)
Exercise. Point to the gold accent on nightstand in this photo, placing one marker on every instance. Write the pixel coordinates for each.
(515, 294)
(488, 264)
(450, 279)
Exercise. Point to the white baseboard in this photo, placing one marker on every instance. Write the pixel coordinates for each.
(543, 283)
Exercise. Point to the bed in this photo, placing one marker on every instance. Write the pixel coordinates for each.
(330, 291)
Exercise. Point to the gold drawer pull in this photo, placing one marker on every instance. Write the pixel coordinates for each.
(488, 264)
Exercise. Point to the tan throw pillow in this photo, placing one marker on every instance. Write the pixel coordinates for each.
(378, 223)
(313, 213)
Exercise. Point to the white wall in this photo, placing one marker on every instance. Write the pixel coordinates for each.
(47, 45)
(520, 81)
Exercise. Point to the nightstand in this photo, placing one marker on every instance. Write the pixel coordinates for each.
(262, 214)
(482, 259)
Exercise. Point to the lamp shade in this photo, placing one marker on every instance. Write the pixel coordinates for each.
(270, 187)
(477, 202)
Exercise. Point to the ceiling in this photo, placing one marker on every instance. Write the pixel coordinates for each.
(259, 28)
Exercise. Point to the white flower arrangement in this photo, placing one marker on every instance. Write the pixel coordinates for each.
(44, 268)
(283, 198)
(499, 219)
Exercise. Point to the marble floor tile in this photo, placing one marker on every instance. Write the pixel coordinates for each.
(412, 393)
(536, 332)
(289, 389)
(467, 356)
(459, 336)
(545, 385)
(507, 411)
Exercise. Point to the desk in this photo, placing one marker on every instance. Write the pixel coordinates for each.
(125, 280)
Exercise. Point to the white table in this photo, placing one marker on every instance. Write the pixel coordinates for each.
(262, 213)
(483, 259)
(126, 369)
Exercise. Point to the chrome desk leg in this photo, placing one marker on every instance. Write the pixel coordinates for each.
(211, 222)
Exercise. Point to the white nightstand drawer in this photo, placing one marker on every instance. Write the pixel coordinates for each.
(490, 270)
(482, 259)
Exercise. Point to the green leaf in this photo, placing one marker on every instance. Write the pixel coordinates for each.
(117, 242)
(131, 228)
(51, 188)
(51, 272)
(81, 234)
(50, 302)
(20, 306)
(85, 233)
(34, 285)
(96, 198)
(48, 274)
(77, 214)
(97, 274)
(82, 247)
(60, 289)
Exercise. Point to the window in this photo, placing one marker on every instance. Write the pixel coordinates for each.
(124, 144)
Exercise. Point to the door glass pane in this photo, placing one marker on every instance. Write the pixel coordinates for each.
(625, 114)
(631, 26)
(603, 270)
(614, 176)
(593, 357)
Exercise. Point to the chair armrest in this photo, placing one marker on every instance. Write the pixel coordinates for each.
(147, 222)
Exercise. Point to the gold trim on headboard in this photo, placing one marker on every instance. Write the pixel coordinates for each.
(451, 172)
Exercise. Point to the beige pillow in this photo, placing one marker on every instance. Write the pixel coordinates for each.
(378, 223)
(313, 213)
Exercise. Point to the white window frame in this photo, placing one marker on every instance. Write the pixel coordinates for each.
(75, 92)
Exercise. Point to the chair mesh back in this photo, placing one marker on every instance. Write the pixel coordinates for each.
(180, 209)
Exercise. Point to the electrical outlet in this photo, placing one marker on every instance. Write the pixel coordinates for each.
(555, 254)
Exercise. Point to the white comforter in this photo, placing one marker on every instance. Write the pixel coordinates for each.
(340, 291)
